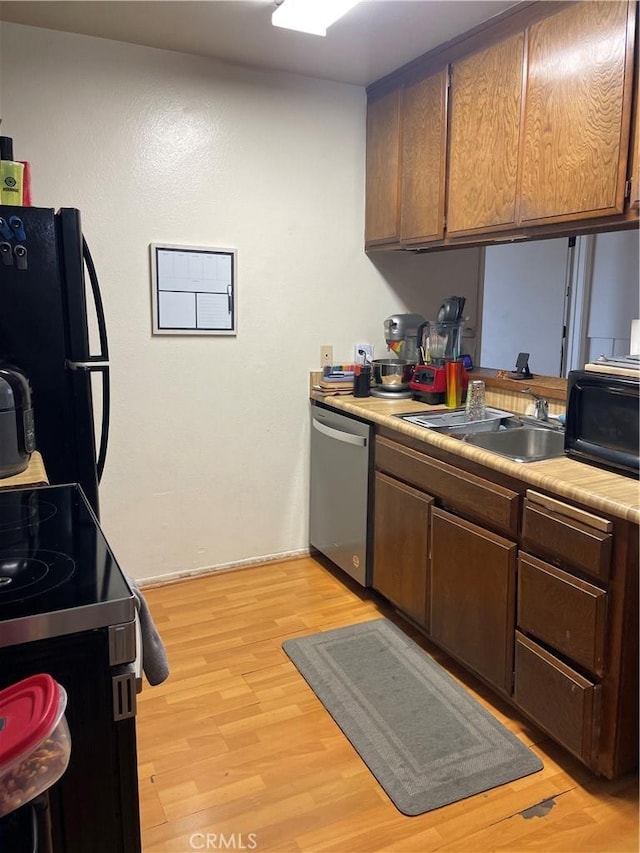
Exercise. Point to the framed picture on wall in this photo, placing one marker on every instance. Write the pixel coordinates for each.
(193, 290)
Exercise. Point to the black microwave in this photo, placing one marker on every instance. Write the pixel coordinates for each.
(602, 425)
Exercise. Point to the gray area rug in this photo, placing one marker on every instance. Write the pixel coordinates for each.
(424, 738)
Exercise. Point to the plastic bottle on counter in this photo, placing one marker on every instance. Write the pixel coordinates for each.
(11, 175)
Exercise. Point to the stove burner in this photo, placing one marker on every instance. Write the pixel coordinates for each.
(25, 514)
(22, 576)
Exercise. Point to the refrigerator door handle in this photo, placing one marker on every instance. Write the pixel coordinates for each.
(97, 298)
(106, 409)
(106, 413)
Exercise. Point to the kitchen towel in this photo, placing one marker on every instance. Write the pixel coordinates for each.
(427, 741)
(154, 655)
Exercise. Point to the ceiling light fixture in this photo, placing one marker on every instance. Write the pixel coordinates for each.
(310, 16)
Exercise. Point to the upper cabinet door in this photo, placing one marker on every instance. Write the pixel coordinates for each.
(634, 156)
(486, 99)
(382, 213)
(577, 111)
(424, 138)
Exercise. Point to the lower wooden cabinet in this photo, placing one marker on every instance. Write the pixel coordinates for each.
(401, 546)
(563, 611)
(473, 574)
(552, 530)
(561, 701)
(536, 596)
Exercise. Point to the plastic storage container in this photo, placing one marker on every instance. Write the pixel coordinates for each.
(34, 741)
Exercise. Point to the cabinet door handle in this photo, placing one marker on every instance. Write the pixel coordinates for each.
(338, 435)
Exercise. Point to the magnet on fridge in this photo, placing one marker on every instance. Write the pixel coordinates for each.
(20, 253)
(5, 230)
(6, 255)
(17, 227)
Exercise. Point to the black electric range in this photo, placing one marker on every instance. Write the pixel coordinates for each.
(67, 610)
(58, 575)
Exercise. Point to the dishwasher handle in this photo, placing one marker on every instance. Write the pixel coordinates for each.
(338, 435)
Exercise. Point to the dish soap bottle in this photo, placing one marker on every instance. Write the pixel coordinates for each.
(11, 174)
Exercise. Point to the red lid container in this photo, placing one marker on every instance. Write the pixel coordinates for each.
(34, 740)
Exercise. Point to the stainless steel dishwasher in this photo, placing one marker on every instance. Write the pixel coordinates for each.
(339, 490)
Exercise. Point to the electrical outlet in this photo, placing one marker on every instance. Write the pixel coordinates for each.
(368, 353)
(326, 355)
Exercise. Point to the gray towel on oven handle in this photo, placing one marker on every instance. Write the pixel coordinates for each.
(154, 656)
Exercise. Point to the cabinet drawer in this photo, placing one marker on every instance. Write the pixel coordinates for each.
(563, 611)
(566, 538)
(465, 493)
(560, 700)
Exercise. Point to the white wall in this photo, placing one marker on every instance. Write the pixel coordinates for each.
(523, 300)
(523, 305)
(208, 458)
(614, 294)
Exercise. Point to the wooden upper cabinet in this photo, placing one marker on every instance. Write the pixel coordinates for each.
(634, 200)
(382, 211)
(577, 112)
(424, 127)
(486, 99)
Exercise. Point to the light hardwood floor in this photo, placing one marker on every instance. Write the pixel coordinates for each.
(237, 753)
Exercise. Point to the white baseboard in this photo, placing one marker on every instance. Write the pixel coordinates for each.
(172, 577)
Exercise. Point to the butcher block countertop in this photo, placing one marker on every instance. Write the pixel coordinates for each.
(614, 494)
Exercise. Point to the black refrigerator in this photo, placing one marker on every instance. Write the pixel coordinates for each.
(49, 302)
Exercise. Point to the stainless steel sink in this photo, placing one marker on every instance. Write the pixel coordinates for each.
(522, 443)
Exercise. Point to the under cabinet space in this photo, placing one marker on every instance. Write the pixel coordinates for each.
(401, 546)
(562, 611)
(473, 596)
(560, 700)
(566, 541)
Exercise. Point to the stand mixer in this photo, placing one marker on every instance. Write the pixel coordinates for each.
(392, 375)
(400, 333)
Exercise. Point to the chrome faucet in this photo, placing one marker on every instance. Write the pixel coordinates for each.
(542, 406)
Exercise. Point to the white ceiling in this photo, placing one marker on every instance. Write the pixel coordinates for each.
(372, 40)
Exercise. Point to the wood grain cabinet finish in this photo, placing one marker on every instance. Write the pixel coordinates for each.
(563, 612)
(382, 211)
(577, 113)
(472, 496)
(634, 195)
(485, 106)
(545, 611)
(565, 541)
(401, 546)
(424, 139)
(560, 700)
(473, 596)
(533, 135)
